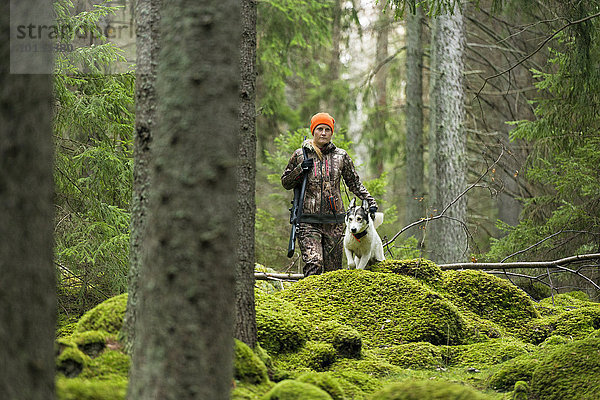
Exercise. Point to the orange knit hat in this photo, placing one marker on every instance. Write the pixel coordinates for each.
(321, 118)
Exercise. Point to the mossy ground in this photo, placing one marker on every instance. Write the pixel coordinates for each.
(376, 335)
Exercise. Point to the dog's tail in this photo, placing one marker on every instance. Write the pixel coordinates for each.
(378, 219)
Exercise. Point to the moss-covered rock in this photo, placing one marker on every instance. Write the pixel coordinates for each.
(325, 381)
(71, 361)
(106, 316)
(575, 323)
(248, 367)
(87, 389)
(372, 363)
(482, 354)
(315, 356)
(281, 327)
(295, 390)
(569, 372)
(521, 391)
(567, 301)
(356, 385)
(489, 297)
(91, 342)
(385, 309)
(346, 340)
(509, 373)
(418, 355)
(430, 390)
(109, 365)
(419, 268)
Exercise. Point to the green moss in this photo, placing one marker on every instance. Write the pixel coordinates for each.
(66, 325)
(385, 309)
(509, 373)
(567, 301)
(325, 381)
(91, 342)
(420, 355)
(521, 391)
(489, 297)
(84, 389)
(107, 366)
(248, 391)
(482, 354)
(295, 390)
(106, 316)
(575, 323)
(316, 356)
(570, 371)
(71, 361)
(281, 327)
(346, 341)
(355, 384)
(431, 390)
(371, 363)
(247, 365)
(554, 340)
(424, 270)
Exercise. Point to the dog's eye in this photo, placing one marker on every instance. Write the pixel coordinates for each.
(358, 219)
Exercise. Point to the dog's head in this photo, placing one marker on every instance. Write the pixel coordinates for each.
(357, 217)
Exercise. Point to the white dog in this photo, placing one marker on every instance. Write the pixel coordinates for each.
(362, 244)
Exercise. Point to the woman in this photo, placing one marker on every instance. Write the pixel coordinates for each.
(321, 227)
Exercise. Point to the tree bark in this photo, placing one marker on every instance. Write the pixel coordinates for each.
(381, 103)
(415, 180)
(27, 283)
(447, 241)
(184, 326)
(245, 325)
(147, 35)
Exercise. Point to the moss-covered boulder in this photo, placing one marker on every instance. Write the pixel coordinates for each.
(281, 326)
(315, 356)
(296, 390)
(419, 268)
(325, 381)
(106, 316)
(571, 323)
(356, 385)
(571, 371)
(509, 373)
(248, 367)
(430, 390)
(418, 355)
(386, 309)
(91, 342)
(109, 365)
(71, 361)
(489, 297)
(488, 353)
(346, 340)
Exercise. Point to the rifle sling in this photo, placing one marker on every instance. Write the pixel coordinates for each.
(322, 218)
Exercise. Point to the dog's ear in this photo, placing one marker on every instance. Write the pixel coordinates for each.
(352, 203)
(364, 205)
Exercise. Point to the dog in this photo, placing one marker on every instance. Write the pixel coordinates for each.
(362, 244)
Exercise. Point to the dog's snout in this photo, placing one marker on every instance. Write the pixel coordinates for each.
(353, 230)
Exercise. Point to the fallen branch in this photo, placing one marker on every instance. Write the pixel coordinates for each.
(265, 276)
(523, 264)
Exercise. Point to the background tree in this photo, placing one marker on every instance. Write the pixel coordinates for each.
(27, 287)
(447, 241)
(245, 326)
(147, 39)
(184, 328)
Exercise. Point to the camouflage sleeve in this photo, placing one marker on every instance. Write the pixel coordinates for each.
(353, 181)
(293, 172)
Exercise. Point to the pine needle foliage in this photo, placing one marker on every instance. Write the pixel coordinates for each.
(565, 218)
(93, 133)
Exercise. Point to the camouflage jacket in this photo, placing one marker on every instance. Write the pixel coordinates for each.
(323, 196)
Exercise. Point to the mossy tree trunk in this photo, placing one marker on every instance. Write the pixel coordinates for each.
(147, 15)
(245, 325)
(184, 327)
(27, 274)
(415, 179)
(447, 240)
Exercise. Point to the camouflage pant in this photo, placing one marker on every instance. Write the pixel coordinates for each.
(321, 247)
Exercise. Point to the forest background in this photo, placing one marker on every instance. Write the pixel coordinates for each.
(529, 130)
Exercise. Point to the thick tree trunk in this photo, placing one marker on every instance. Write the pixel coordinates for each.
(447, 241)
(381, 103)
(415, 181)
(27, 274)
(245, 326)
(147, 33)
(184, 326)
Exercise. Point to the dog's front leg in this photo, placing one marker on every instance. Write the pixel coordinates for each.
(363, 262)
(350, 258)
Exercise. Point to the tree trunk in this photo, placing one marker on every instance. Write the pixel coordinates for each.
(415, 181)
(184, 327)
(381, 104)
(147, 33)
(447, 241)
(27, 274)
(245, 326)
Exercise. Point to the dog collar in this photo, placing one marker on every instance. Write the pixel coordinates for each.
(360, 235)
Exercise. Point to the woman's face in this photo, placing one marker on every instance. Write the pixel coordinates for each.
(322, 135)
